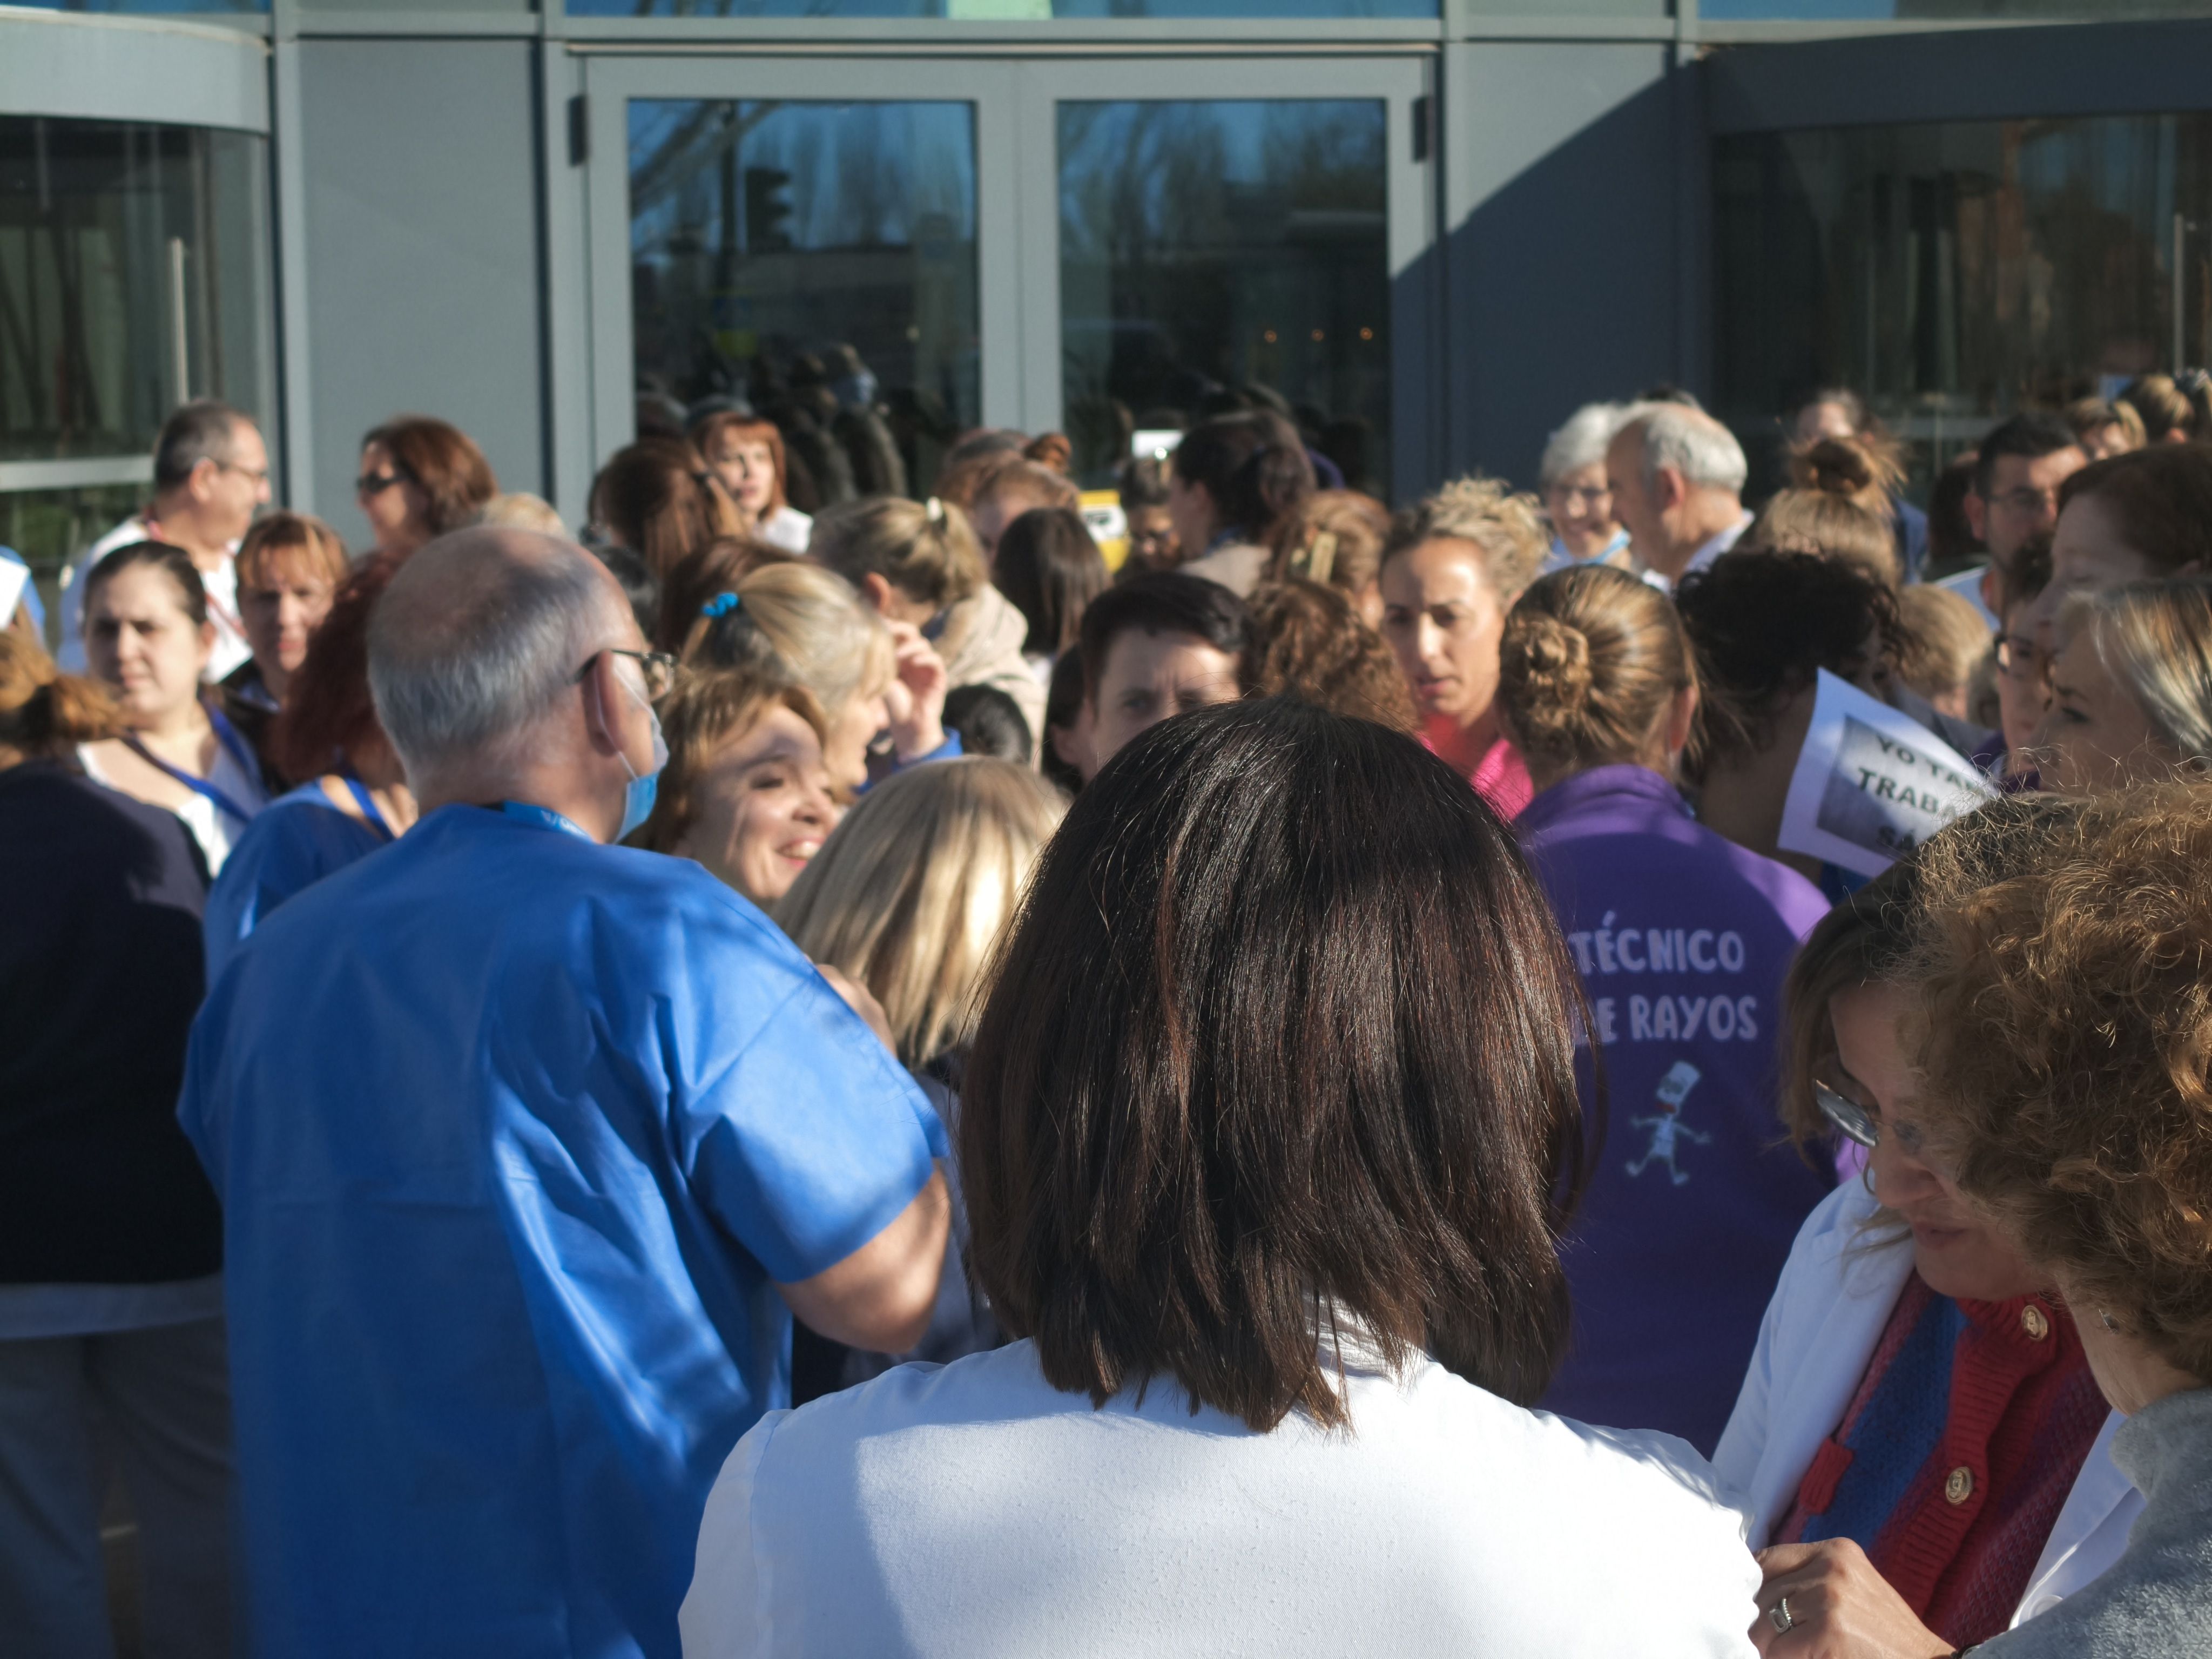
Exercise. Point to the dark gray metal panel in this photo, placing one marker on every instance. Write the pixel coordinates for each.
(1562, 257)
(422, 288)
(1976, 75)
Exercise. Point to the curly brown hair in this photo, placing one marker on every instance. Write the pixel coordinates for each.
(1313, 646)
(1507, 527)
(2067, 1050)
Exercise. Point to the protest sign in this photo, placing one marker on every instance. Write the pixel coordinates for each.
(1872, 784)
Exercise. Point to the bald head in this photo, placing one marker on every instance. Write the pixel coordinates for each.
(480, 635)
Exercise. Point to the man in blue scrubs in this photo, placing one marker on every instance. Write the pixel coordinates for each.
(529, 1147)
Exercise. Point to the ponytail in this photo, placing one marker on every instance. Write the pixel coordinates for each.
(42, 710)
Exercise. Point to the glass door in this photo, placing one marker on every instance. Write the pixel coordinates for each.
(1094, 245)
(819, 242)
(1231, 232)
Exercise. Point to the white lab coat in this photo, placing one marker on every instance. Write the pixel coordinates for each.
(1835, 1296)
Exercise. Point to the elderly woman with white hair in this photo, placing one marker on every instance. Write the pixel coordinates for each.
(1578, 500)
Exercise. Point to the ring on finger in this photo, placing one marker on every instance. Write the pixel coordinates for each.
(1780, 1617)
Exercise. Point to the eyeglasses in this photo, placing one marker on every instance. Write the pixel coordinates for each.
(657, 667)
(1851, 1119)
(259, 474)
(1590, 498)
(2025, 500)
(375, 483)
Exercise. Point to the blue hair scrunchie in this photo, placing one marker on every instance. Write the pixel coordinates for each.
(721, 604)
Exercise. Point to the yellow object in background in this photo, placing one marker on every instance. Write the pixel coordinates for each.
(1110, 526)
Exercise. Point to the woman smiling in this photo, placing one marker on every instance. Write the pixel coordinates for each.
(746, 792)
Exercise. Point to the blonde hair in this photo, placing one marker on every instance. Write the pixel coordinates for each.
(1838, 509)
(799, 620)
(44, 711)
(1591, 659)
(927, 551)
(275, 534)
(1949, 641)
(518, 509)
(2088, 414)
(2155, 639)
(911, 892)
(1507, 527)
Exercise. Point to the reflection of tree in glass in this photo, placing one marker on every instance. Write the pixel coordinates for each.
(766, 8)
(773, 240)
(1207, 246)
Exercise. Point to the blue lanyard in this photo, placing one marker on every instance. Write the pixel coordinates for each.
(544, 817)
(241, 752)
(367, 802)
(226, 735)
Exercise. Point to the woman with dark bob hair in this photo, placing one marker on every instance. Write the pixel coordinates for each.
(1266, 1187)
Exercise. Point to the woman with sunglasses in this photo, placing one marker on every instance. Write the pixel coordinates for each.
(420, 477)
(1916, 1388)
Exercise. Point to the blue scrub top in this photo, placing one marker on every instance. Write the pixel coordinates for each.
(514, 1134)
(291, 844)
(1681, 939)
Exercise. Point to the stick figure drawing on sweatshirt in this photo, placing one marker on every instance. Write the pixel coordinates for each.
(1667, 1126)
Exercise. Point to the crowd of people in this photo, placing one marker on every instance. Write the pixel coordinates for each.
(907, 1080)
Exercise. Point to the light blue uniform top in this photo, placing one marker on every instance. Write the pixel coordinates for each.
(514, 1134)
(291, 844)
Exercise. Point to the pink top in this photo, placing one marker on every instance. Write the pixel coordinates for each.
(1502, 779)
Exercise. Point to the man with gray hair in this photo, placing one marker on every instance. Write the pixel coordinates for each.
(210, 473)
(529, 1147)
(1677, 478)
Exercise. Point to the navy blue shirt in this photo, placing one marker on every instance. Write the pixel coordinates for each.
(1682, 939)
(99, 977)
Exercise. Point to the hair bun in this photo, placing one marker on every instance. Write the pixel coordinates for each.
(1552, 667)
(1837, 466)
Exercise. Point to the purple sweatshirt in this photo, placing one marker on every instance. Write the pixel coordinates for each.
(1682, 939)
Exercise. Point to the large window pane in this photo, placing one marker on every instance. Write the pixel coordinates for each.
(170, 6)
(1000, 11)
(134, 274)
(1209, 249)
(1956, 272)
(814, 259)
(1963, 10)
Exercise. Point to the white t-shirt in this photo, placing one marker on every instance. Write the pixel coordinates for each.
(216, 829)
(972, 1510)
(231, 651)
